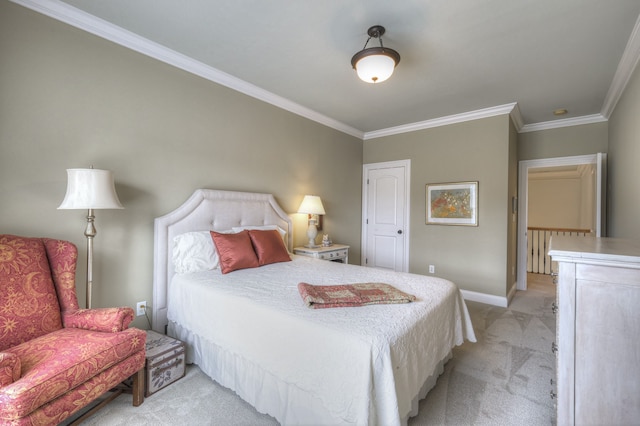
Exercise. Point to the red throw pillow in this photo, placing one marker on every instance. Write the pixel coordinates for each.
(235, 251)
(269, 246)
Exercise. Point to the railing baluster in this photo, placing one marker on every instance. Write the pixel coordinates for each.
(538, 245)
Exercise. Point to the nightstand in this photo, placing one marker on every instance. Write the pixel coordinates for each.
(335, 252)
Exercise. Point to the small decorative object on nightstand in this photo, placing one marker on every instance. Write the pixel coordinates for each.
(335, 252)
(165, 361)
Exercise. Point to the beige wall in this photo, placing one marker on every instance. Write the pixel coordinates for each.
(69, 99)
(619, 138)
(624, 164)
(574, 191)
(545, 195)
(564, 142)
(473, 257)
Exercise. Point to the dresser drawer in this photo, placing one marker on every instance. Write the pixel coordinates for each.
(335, 252)
(334, 255)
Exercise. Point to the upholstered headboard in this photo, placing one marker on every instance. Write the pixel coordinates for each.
(207, 209)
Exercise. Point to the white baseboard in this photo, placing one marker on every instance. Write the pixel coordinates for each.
(489, 299)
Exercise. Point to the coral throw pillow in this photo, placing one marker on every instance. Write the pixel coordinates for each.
(269, 246)
(235, 251)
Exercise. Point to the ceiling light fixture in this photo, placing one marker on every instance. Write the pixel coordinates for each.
(560, 111)
(375, 64)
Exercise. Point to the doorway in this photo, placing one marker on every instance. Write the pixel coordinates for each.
(556, 165)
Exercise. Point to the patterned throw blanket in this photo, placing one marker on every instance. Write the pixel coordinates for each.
(351, 295)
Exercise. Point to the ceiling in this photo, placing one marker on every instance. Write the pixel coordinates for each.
(458, 57)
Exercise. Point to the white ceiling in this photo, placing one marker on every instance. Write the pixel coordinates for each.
(458, 56)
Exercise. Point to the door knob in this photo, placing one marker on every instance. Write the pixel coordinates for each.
(399, 231)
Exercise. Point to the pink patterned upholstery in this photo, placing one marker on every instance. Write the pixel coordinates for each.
(10, 368)
(102, 319)
(28, 302)
(54, 357)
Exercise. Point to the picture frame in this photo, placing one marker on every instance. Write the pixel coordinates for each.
(453, 203)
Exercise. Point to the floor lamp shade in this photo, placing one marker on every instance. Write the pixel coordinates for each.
(90, 189)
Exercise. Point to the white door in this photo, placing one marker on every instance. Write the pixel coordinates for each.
(386, 215)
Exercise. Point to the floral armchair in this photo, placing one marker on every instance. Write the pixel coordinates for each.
(55, 358)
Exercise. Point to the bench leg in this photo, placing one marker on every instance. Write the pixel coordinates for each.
(138, 387)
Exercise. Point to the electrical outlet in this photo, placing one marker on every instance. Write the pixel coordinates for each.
(141, 307)
(432, 269)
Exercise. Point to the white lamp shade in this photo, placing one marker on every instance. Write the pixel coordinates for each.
(311, 204)
(90, 189)
(375, 68)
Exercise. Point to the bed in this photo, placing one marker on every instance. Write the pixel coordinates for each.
(250, 330)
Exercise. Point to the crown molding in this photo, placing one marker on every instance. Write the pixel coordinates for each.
(567, 122)
(516, 117)
(101, 28)
(626, 66)
(443, 121)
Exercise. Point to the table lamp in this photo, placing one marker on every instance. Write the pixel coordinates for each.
(312, 205)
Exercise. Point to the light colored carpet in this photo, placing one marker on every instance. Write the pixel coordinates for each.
(503, 379)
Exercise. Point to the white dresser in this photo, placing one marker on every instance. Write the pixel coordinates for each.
(598, 330)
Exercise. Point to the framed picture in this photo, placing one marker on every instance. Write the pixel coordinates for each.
(452, 203)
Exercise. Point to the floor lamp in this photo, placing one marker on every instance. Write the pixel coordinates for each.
(90, 189)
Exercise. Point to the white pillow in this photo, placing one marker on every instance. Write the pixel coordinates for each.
(194, 252)
(282, 232)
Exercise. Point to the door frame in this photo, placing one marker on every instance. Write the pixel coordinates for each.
(523, 201)
(366, 168)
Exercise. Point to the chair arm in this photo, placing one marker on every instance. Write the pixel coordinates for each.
(101, 319)
(9, 368)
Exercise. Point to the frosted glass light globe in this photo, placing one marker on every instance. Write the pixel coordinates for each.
(375, 68)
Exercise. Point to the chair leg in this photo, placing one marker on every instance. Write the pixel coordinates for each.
(138, 387)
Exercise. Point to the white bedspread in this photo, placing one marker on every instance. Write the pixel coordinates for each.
(250, 331)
